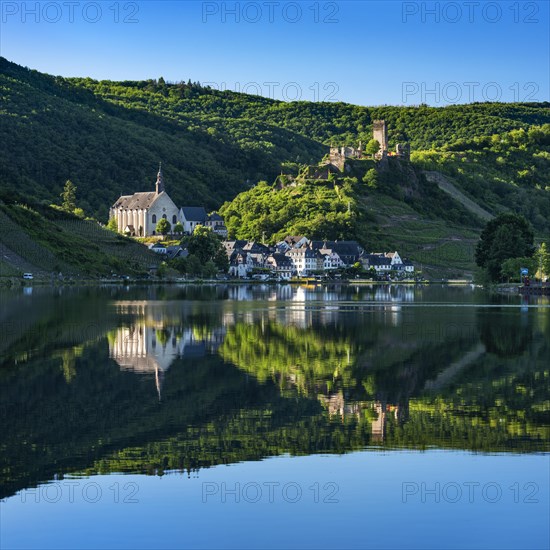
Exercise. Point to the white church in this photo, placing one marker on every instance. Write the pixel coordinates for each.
(137, 215)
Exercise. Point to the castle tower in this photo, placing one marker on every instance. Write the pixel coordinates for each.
(380, 134)
(159, 185)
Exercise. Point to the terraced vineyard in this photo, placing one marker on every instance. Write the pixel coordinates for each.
(440, 249)
(22, 253)
(131, 253)
(46, 242)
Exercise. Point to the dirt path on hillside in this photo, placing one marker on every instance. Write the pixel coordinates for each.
(445, 184)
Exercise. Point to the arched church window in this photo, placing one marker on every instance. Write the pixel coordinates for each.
(154, 218)
(164, 216)
(174, 219)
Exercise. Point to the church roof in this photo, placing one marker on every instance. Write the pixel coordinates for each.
(194, 213)
(137, 200)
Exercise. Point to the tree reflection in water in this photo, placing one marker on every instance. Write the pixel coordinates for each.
(124, 381)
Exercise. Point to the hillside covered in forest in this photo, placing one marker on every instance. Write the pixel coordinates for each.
(108, 137)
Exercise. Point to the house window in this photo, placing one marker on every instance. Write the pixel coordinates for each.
(154, 219)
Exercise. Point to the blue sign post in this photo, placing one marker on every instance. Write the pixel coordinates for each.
(523, 272)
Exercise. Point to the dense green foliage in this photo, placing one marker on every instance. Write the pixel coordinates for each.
(107, 136)
(321, 210)
(506, 236)
(500, 172)
(206, 257)
(54, 129)
(338, 207)
(338, 123)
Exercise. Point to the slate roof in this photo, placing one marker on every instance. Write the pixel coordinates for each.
(257, 248)
(175, 251)
(280, 260)
(194, 213)
(137, 200)
(292, 240)
(378, 259)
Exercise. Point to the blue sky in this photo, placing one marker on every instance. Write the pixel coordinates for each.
(369, 53)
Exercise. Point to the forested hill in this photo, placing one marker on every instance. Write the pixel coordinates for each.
(108, 137)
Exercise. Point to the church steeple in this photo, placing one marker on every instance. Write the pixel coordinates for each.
(159, 185)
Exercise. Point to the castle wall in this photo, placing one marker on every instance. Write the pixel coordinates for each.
(380, 134)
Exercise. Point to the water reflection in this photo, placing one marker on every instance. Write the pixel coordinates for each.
(153, 338)
(157, 379)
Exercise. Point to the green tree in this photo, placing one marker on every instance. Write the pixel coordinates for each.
(210, 269)
(163, 226)
(112, 225)
(205, 245)
(179, 264)
(512, 266)
(371, 178)
(178, 228)
(506, 236)
(69, 196)
(373, 146)
(193, 265)
(542, 257)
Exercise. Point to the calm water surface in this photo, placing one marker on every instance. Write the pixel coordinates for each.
(258, 416)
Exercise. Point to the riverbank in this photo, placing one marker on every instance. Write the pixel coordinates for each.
(14, 282)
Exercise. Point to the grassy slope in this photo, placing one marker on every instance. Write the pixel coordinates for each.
(47, 241)
(437, 247)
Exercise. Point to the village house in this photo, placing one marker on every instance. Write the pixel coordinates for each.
(349, 252)
(157, 247)
(281, 265)
(305, 260)
(299, 256)
(245, 256)
(332, 261)
(241, 264)
(385, 262)
(193, 216)
(216, 223)
(176, 251)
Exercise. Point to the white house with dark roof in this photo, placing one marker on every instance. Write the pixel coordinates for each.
(191, 217)
(384, 262)
(137, 215)
(216, 223)
(282, 265)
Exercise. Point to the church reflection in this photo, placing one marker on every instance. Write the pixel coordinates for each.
(150, 343)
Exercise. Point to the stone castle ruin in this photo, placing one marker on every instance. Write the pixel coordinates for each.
(339, 155)
(380, 134)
